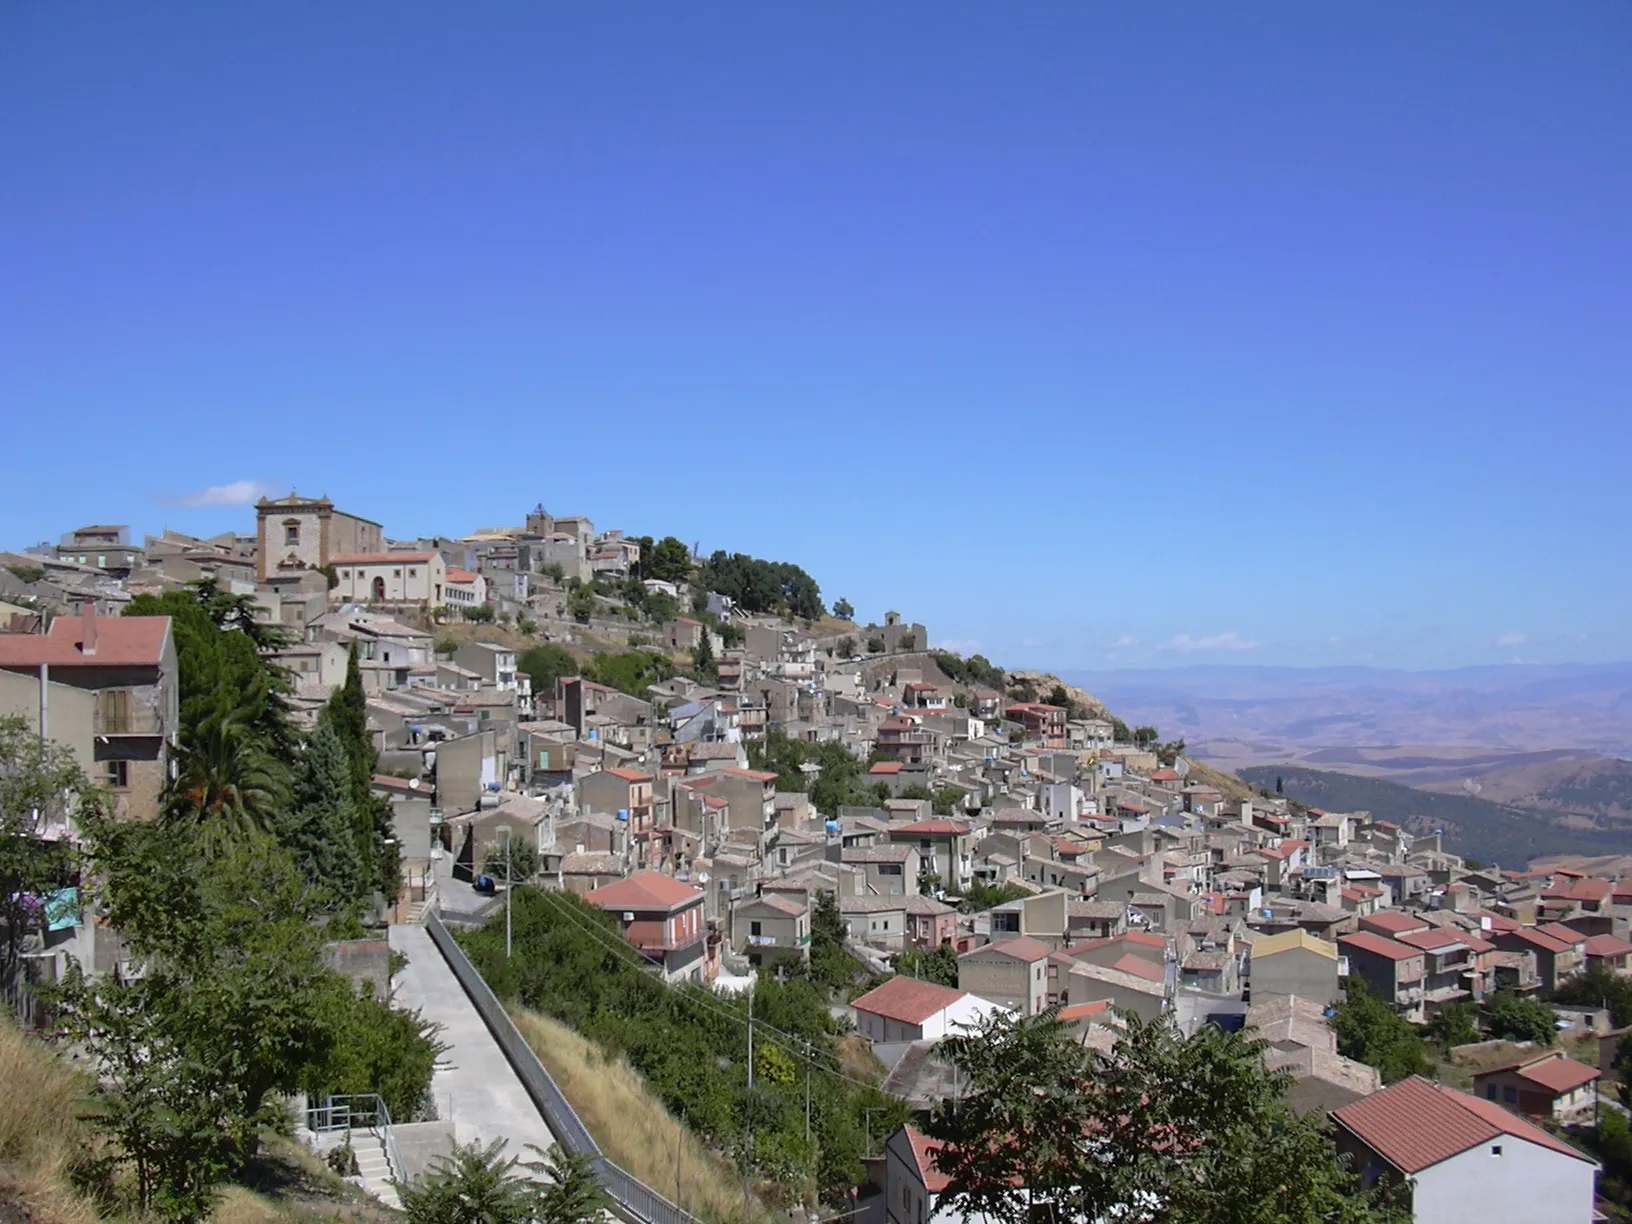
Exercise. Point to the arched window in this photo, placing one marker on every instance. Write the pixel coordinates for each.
(379, 590)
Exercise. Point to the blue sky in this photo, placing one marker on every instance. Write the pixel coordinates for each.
(1088, 334)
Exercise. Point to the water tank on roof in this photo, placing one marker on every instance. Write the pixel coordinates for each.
(832, 826)
(623, 813)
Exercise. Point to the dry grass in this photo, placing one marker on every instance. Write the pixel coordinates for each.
(40, 1134)
(629, 1123)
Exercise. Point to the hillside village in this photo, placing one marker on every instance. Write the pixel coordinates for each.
(702, 749)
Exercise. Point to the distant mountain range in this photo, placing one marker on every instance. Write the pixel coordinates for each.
(1523, 758)
(1271, 710)
(1477, 828)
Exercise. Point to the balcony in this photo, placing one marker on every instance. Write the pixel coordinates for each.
(111, 720)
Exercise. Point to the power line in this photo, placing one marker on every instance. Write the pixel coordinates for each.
(624, 949)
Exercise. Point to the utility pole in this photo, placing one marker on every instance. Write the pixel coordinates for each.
(509, 885)
(807, 1091)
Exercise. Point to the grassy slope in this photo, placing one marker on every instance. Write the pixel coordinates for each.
(629, 1123)
(1487, 831)
(39, 1133)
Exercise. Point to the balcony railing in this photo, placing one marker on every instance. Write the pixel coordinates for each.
(134, 720)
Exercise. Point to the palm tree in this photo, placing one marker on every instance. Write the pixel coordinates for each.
(227, 785)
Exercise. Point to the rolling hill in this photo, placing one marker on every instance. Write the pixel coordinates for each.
(1474, 827)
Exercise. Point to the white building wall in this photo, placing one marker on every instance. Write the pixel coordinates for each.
(1526, 1184)
(954, 1018)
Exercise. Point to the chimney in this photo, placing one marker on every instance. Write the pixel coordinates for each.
(87, 620)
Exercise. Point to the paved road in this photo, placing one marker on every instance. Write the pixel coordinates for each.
(474, 1085)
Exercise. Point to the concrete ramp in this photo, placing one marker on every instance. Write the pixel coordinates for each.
(474, 1086)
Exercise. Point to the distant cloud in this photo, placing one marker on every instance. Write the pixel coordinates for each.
(238, 493)
(1509, 640)
(1122, 643)
(1185, 644)
(961, 646)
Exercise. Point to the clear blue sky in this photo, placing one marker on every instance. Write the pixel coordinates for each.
(1271, 333)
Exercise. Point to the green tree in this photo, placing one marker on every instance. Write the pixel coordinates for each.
(875, 645)
(938, 965)
(670, 561)
(554, 571)
(347, 712)
(546, 664)
(661, 607)
(702, 659)
(1514, 1018)
(631, 671)
(1455, 1024)
(523, 859)
(1599, 987)
(845, 648)
(482, 613)
(831, 965)
(843, 609)
(571, 1193)
(320, 825)
(1119, 731)
(982, 896)
(1372, 1032)
(228, 787)
(472, 1185)
(581, 604)
(1145, 737)
(1164, 1127)
(41, 787)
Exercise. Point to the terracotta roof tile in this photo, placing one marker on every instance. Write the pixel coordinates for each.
(907, 1000)
(645, 890)
(1416, 1124)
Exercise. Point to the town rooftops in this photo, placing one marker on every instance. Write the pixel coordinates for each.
(1550, 1069)
(385, 558)
(1607, 945)
(460, 576)
(628, 775)
(1565, 935)
(1435, 939)
(1416, 1124)
(645, 890)
(89, 640)
(907, 1000)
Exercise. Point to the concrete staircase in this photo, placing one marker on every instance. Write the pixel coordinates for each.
(374, 1172)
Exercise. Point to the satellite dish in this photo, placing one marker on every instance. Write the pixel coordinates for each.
(413, 783)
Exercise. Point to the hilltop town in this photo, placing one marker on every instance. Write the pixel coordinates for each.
(704, 750)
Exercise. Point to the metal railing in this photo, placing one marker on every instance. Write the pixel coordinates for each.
(351, 1111)
(632, 1196)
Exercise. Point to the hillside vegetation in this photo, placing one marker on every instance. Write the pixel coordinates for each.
(629, 1122)
(40, 1139)
(1490, 832)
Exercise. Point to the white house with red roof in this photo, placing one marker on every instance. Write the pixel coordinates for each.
(906, 1009)
(1466, 1159)
(661, 916)
(464, 589)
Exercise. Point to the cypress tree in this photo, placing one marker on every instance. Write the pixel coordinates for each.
(320, 829)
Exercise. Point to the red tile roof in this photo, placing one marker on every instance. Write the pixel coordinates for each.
(1081, 1011)
(923, 1151)
(1022, 947)
(758, 775)
(1559, 1075)
(930, 828)
(1415, 1124)
(1538, 939)
(1433, 939)
(907, 1000)
(1607, 945)
(1137, 966)
(460, 575)
(628, 775)
(885, 767)
(1562, 933)
(121, 641)
(1377, 945)
(1392, 922)
(645, 890)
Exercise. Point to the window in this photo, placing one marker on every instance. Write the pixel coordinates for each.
(1510, 1095)
(101, 560)
(1490, 1092)
(1495, 1149)
(396, 573)
(117, 773)
(291, 532)
(753, 929)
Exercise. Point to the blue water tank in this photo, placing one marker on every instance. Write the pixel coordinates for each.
(623, 813)
(832, 826)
